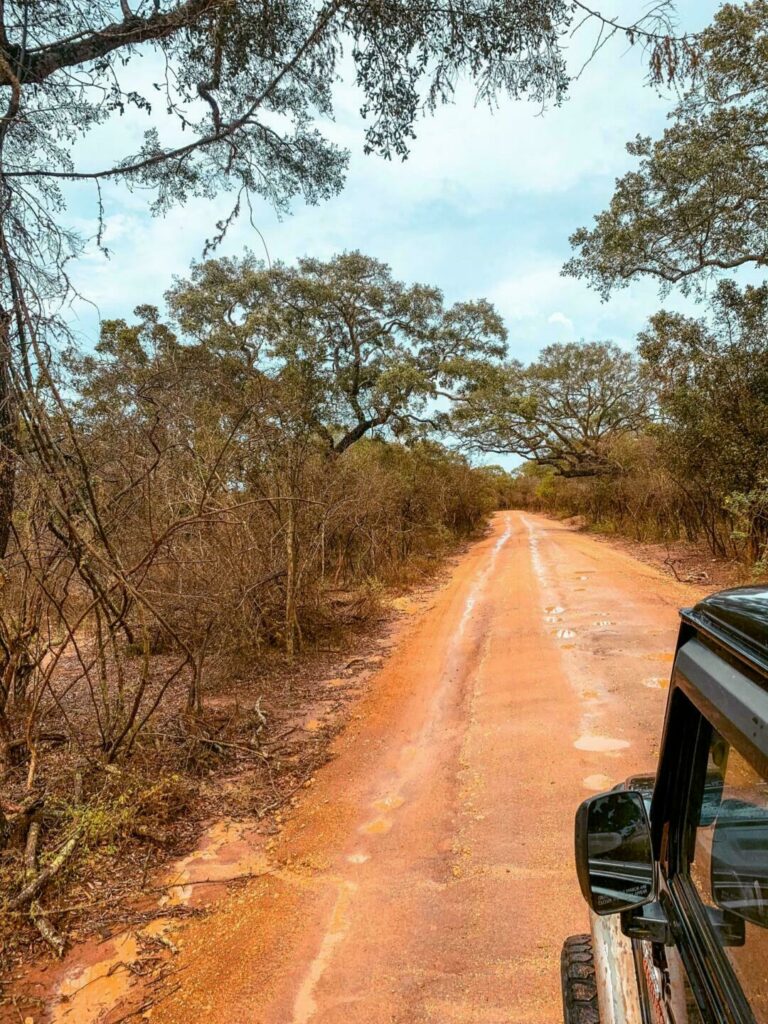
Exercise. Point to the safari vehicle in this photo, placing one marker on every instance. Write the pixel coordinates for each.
(674, 867)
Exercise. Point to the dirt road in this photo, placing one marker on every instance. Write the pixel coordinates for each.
(427, 875)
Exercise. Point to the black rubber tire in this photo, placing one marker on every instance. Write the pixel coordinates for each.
(577, 970)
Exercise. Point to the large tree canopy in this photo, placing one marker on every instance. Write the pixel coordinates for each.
(698, 203)
(236, 95)
(565, 410)
(346, 348)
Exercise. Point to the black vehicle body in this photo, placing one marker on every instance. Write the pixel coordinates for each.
(694, 947)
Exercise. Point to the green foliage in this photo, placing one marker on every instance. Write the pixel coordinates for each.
(749, 511)
(565, 410)
(697, 466)
(696, 205)
(359, 350)
(235, 98)
(710, 378)
(694, 208)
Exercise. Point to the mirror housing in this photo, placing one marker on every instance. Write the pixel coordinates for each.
(614, 853)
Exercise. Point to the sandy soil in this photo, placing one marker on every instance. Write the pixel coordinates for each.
(427, 873)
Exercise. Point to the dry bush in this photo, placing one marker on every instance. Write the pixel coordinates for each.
(645, 501)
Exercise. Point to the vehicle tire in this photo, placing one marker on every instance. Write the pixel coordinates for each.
(577, 969)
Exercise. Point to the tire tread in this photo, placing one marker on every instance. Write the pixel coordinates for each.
(577, 967)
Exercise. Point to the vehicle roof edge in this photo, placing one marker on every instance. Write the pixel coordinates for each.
(738, 620)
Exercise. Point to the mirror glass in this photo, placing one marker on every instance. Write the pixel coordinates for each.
(619, 853)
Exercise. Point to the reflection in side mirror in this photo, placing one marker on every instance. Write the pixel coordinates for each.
(739, 874)
(614, 856)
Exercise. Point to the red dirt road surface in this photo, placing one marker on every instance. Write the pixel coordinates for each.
(427, 875)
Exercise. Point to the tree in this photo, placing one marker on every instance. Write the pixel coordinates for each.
(697, 205)
(566, 410)
(710, 382)
(264, 371)
(365, 352)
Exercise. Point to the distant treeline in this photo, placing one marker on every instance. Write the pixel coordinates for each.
(690, 458)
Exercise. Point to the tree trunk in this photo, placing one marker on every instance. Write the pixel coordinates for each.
(195, 691)
(8, 435)
(290, 581)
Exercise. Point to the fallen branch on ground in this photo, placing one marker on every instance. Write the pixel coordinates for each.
(30, 850)
(36, 879)
(46, 929)
(41, 878)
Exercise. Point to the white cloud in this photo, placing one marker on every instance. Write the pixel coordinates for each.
(525, 294)
(562, 320)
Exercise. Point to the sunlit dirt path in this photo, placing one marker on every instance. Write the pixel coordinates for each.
(428, 874)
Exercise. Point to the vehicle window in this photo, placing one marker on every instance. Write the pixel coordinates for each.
(730, 866)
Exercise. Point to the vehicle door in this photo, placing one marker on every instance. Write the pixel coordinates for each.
(710, 822)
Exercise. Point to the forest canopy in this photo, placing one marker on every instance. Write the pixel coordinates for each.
(696, 204)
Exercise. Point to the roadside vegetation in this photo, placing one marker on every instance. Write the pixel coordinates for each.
(230, 489)
(664, 445)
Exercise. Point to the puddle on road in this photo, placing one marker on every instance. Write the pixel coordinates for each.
(597, 783)
(388, 803)
(554, 610)
(358, 858)
(377, 827)
(225, 851)
(662, 656)
(600, 744)
(603, 622)
(88, 992)
(564, 634)
(656, 683)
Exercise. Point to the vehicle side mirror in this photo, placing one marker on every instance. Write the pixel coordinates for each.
(614, 855)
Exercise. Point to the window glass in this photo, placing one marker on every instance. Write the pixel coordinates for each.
(730, 866)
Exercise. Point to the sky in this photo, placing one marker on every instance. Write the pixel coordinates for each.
(483, 207)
